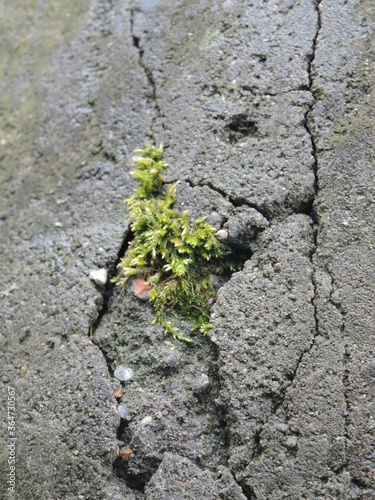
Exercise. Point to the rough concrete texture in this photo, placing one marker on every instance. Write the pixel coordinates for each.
(179, 478)
(266, 114)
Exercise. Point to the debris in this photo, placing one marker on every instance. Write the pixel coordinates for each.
(99, 276)
(202, 383)
(123, 373)
(125, 454)
(222, 234)
(123, 412)
(291, 441)
(140, 287)
(146, 421)
(118, 393)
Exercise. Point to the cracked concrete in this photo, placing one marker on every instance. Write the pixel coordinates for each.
(265, 111)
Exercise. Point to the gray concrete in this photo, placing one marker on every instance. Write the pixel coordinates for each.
(266, 114)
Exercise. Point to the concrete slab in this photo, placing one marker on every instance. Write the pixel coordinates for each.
(266, 114)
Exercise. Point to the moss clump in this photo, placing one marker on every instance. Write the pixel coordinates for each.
(174, 255)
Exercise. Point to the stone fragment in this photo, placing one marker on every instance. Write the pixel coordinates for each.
(123, 373)
(146, 421)
(244, 225)
(123, 412)
(202, 383)
(99, 276)
(222, 234)
(291, 441)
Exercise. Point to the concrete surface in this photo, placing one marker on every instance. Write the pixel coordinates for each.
(266, 114)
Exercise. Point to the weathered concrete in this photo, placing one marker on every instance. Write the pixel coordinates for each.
(179, 478)
(262, 107)
(62, 207)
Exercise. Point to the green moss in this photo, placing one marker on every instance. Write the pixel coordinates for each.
(174, 255)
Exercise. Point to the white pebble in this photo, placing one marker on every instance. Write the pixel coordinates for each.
(202, 383)
(123, 412)
(215, 217)
(291, 441)
(99, 276)
(146, 421)
(222, 234)
(123, 373)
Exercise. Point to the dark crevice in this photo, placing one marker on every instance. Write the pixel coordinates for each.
(121, 428)
(309, 110)
(248, 492)
(236, 202)
(148, 72)
(310, 208)
(214, 373)
(222, 412)
(345, 376)
(345, 381)
(119, 465)
(109, 286)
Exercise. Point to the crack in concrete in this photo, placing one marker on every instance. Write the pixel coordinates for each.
(109, 286)
(311, 212)
(316, 190)
(153, 101)
(345, 375)
(236, 202)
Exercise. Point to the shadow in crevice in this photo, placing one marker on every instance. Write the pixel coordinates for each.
(240, 126)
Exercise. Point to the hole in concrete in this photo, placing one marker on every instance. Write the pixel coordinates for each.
(120, 466)
(241, 126)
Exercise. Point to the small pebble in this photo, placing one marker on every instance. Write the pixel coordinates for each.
(123, 412)
(24, 369)
(123, 373)
(222, 234)
(202, 383)
(146, 421)
(282, 427)
(141, 287)
(126, 453)
(291, 441)
(215, 217)
(99, 276)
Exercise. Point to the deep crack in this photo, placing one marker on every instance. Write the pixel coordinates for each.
(345, 375)
(153, 101)
(316, 185)
(109, 286)
(311, 212)
(236, 202)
